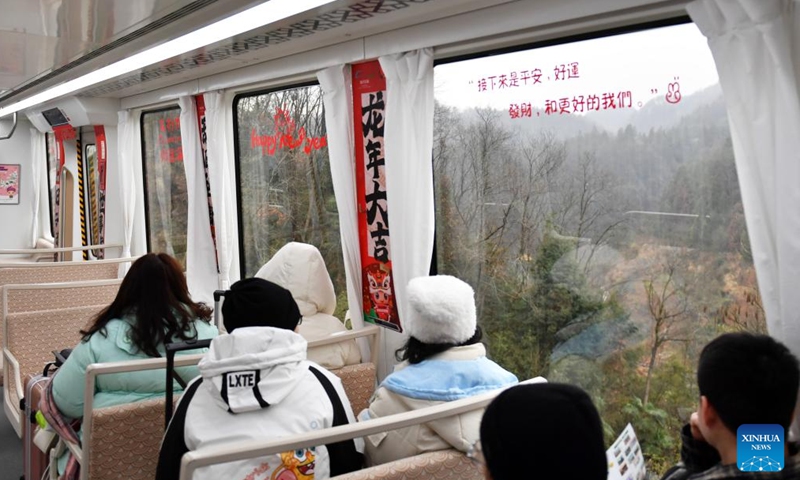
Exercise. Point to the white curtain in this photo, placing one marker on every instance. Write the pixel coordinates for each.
(160, 194)
(201, 264)
(409, 174)
(126, 155)
(219, 124)
(337, 97)
(755, 43)
(40, 211)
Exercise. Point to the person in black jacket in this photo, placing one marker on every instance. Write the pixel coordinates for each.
(743, 379)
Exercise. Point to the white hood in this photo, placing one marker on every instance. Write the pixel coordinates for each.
(254, 367)
(300, 268)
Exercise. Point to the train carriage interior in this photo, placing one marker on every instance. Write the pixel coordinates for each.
(615, 179)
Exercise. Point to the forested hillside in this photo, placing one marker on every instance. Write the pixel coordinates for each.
(605, 249)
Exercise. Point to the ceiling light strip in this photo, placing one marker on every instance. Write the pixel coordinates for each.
(269, 12)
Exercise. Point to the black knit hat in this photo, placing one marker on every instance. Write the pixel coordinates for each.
(255, 302)
(552, 429)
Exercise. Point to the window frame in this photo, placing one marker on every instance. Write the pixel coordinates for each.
(145, 191)
(237, 153)
(565, 39)
(630, 29)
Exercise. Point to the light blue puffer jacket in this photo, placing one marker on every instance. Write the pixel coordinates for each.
(118, 388)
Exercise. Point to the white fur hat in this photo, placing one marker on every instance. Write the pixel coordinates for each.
(441, 310)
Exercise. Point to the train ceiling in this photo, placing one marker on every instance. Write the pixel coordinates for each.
(45, 42)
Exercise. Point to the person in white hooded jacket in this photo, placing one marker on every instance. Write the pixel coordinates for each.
(442, 361)
(256, 384)
(300, 268)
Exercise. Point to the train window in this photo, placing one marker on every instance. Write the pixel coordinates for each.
(92, 189)
(285, 188)
(52, 173)
(166, 200)
(589, 192)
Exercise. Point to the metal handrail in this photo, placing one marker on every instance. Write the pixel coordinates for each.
(44, 251)
(67, 263)
(243, 450)
(13, 127)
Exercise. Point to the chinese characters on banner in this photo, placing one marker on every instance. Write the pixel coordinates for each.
(524, 78)
(589, 103)
(570, 104)
(369, 108)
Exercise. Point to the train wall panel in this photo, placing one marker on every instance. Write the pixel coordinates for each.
(114, 232)
(492, 27)
(17, 219)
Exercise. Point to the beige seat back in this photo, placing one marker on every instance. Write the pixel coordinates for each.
(442, 465)
(35, 297)
(32, 337)
(358, 380)
(123, 441)
(126, 440)
(25, 274)
(20, 273)
(359, 384)
(38, 319)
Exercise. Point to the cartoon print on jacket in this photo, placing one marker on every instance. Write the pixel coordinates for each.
(296, 465)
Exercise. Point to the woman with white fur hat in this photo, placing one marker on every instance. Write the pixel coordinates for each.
(442, 361)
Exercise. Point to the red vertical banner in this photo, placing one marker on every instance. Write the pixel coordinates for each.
(102, 162)
(62, 133)
(369, 114)
(201, 126)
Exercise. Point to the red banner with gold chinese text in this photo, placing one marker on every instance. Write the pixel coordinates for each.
(100, 207)
(369, 113)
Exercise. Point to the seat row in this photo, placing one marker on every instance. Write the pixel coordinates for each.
(440, 465)
(123, 441)
(43, 306)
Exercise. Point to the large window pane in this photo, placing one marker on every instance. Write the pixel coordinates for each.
(52, 174)
(285, 182)
(92, 193)
(166, 199)
(588, 191)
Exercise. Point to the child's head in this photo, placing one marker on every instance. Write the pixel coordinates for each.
(547, 430)
(746, 379)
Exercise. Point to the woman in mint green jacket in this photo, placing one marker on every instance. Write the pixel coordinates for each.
(152, 307)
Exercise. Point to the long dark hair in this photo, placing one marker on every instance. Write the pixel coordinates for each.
(415, 351)
(154, 292)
